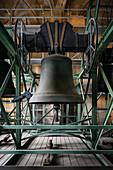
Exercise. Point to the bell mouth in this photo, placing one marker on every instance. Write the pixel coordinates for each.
(76, 99)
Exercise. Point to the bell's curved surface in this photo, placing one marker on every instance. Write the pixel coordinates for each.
(56, 82)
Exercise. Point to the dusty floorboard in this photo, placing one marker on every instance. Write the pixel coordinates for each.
(8, 146)
(66, 142)
(59, 142)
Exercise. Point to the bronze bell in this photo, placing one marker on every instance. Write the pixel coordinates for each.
(56, 82)
(108, 70)
(9, 90)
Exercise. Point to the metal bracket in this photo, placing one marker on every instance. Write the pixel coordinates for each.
(25, 95)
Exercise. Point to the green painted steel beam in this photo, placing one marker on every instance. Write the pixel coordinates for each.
(107, 132)
(34, 106)
(96, 12)
(44, 115)
(51, 132)
(75, 123)
(18, 105)
(101, 25)
(82, 89)
(6, 39)
(106, 80)
(65, 115)
(9, 115)
(104, 123)
(25, 87)
(7, 121)
(89, 11)
(98, 156)
(94, 85)
(56, 127)
(94, 101)
(106, 38)
(56, 134)
(56, 151)
(9, 29)
(96, 9)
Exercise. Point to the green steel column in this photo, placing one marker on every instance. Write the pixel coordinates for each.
(79, 112)
(7, 121)
(33, 106)
(89, 11)
(94, 101)
(107, 101)
(104, 123)
(97, 9)
(94, 87)
(18, 106)
(79, 105)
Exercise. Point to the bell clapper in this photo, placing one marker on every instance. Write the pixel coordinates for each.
(56, 107)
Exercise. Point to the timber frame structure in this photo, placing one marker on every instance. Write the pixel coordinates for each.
(74, 128)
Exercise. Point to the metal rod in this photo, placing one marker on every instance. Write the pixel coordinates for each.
(55, 127)
(44, 115)
(18, 106)
(41, 17)
(74, 123)
(7, 121)
(98, 156)
(53, 9)
(104, 123)
(56, 151)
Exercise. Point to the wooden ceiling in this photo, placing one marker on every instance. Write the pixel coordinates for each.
(52, 4)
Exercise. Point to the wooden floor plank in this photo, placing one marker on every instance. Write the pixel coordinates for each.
(59, 157)
(39, 158)
(53, 156)
(68, 147)
(24, 158)
(62, 160)
(85, 156)
(63, 142)
(8, 146)
(44, 156)
(3, 147)
(65, 156)
(104, 158)
(73, 158)
(5, 156)
(90, 159)
(32, 157)
(79, 156)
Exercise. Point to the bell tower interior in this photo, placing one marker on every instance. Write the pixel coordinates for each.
(56, 84)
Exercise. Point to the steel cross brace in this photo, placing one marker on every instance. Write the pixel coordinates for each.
(6, 39)
(106, 38)
(8, 42)
(98, 156)
(104, 123)
(106, 80)
(56, 127)
(56, 151)
(7, 121)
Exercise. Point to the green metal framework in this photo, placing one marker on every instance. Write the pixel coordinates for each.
(73, 128)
